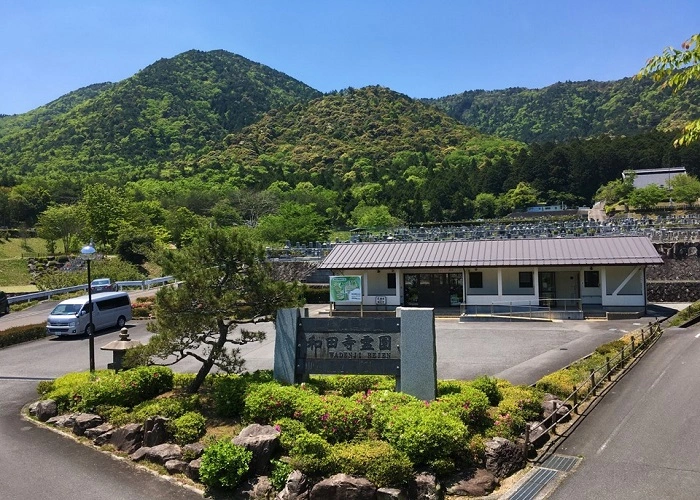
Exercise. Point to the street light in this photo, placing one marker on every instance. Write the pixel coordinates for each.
(88, 253)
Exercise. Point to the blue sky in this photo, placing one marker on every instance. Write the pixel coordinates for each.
(429, 48)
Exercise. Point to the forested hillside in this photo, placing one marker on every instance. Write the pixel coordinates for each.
(573, 110)
(147, 125)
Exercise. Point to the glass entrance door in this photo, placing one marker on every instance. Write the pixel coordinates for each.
(432, 289)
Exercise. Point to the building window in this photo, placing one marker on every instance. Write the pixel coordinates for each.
(525, 279)
(591, 279)
(476, 280)
(391, 281)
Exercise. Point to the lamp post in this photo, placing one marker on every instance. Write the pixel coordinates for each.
(88, 253)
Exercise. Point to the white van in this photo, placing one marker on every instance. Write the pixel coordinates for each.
(72, 316)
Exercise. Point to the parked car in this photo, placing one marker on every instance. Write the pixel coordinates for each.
(102, 285)
(4, 305)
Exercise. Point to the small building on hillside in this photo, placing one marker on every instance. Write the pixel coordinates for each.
(569, 274)
(658, 176)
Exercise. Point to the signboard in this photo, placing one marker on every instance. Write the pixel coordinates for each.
(346, 289)
(350, 345)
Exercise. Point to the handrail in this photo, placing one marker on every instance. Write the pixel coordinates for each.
(47, 294)
(598, 376)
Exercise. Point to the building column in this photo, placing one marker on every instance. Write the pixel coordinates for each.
(500, 282)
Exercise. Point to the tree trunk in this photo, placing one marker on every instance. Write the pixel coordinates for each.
(213, 355)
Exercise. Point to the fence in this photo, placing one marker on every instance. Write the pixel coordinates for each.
(121, 285)
(531, 309)
(598, 376)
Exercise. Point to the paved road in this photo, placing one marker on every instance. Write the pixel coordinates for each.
(642, 439)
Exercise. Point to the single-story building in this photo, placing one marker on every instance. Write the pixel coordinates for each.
(572, 274)
(659, 176)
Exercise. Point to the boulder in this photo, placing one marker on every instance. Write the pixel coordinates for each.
(297, 487)
(127, 438)
(256, 488)
(503, 457)
(538, 434)
(263, 441)
(193, 469)
(66, 420)
(193, 450)
(159, 454)
(343, 487)
(94, 432)
(84, 421)
(176, 466)
(554, 409)
(155, 431)
(425, 486)
(475, 483)
(391, 494)
(32, 408)
(103, 438)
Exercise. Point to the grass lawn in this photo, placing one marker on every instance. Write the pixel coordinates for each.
(14, 274)
(15, 248)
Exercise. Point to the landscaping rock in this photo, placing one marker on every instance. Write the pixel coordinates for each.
(263, 441)
(297, 487)
(193, 469)
(32, 408)
(503, 457)
(554, 409)
(538, 435)
(94, 432)
(256, 488)
(343, 487)
(45, 409)
(193, 450)
(476, 483)
(66, 420)
(155, 431)
(176, 466)
(84, 421)
(425, 486)
(391, 494)
(103, 438)
(127, 438)
(159, 454)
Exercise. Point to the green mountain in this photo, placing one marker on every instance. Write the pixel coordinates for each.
(574, 109)
(171, 111)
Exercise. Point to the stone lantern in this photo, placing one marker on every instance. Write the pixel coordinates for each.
(119, 348)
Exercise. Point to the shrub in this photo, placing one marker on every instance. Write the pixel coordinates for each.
(188, 428)
(115, 415)
(520, 404)
(228, 393)
(378, 461)
(44, 387)
(173, 407)
(382, 404)
(489, 386)
(347, 385)
(445, 387)
(310, 453)
(316, 294)
(19, 334)
(335, 418)
(470, 405)
(126, 388)
(289, 430)
(65, 390)
(279, 474)
(224, 464)
(426, 433)
(268, 402)
(560, 383)
(611, 347)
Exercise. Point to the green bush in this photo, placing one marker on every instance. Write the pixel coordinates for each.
(224, 464)
(520, 404)
(125, 388)
(279, 474)
(378, 461)
(65, 390)
(172, 407)
(268, 402)
(335, 418)
(470, 405)
(611, 347)
(425, 433)
(311, 454)
(228, 393)
(445, 387)
(188, 428)
(19, 334)
(115, 415)
(381, 404)
(317, 294)
(44, 387)
(347, 385)
(489, 386)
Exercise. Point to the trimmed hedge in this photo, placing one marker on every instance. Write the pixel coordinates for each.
(19, 334)
(224, 464)
(317, 294)
(378, 461)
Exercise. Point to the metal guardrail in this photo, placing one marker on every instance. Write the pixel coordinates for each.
(598, 376)
(121, 285)
(522, 308)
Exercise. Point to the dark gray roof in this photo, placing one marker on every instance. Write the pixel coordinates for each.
(622, 250)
